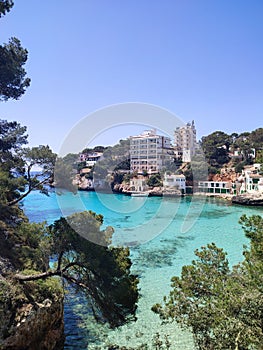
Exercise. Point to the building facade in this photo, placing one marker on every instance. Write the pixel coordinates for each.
(175, 181)
(139, 184)
(215, 187)
(185, 142)
(90, 158)
(150, 152)
(251, 180)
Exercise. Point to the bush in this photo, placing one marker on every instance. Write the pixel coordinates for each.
(239, 167)
(155, 180)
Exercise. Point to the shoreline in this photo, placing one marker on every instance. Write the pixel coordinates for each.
(246, 199)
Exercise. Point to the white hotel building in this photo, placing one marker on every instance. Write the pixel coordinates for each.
(150, 152)
(185, 142)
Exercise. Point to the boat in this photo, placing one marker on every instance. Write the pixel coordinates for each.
(140, 194)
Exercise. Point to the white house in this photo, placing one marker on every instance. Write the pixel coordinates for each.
(216, 187)
(251, 180)
(174, 181)
(92, 158)
(138, 184)
(260, 185)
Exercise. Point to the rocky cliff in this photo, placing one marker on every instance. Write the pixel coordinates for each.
(228, 175)
(31, 314)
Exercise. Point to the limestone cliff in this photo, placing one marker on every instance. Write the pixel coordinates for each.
(28, 319)
(226, 174)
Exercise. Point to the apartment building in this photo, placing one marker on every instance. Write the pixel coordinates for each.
(150, 152)
(185, 141)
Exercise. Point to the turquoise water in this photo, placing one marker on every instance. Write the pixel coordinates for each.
(162, 234)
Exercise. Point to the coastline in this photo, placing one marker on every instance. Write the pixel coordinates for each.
(246, 199)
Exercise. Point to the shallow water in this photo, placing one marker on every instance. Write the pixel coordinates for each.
(162, 234)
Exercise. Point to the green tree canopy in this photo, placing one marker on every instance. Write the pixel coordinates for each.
(256, 138)
(64, 174)
(95, 149)
(259, 159)
(155, 180)
(5, 6)
(115, 158)
(223, 307)
(17, 164)
(13, 80)
(216, 147)
(103, 272)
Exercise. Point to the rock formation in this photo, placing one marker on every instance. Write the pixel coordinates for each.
(248, 199)
(29, 319)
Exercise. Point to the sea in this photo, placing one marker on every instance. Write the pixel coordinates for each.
(162, 234)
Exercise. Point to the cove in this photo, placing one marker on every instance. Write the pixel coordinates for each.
(162, 234)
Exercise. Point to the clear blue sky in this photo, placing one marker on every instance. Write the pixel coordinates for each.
(200, 59)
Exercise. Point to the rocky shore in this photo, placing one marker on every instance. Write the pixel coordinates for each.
(152, 192)
(248, 199)
(244, 199)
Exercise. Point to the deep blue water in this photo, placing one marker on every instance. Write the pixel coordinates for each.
(162, 234)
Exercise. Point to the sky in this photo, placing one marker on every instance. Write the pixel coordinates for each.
(201, 60)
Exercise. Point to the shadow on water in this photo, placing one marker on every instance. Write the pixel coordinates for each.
(161, 256)
(214, 214)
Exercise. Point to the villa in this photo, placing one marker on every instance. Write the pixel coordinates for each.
(215, 187)
(174, 182)
(138, 184)
(90, 158)
(251, 180)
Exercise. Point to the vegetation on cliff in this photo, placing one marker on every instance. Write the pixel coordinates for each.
(114, 159)
(218, 147)
(103, 272)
